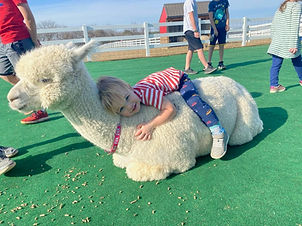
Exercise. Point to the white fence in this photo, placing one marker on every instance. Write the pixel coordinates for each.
(242, 30)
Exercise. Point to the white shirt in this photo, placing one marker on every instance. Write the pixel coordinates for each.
(190, 6)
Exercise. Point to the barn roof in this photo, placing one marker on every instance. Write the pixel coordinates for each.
(175, 10)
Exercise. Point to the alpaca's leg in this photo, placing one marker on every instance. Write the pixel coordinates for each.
(139, 171)
(120, 160)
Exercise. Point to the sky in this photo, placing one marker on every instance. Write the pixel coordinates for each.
(119, 12)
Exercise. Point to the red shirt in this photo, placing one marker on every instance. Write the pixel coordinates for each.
(152, 88)
(12, 27)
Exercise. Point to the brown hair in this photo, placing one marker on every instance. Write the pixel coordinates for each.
(110, 92)
(283, 6)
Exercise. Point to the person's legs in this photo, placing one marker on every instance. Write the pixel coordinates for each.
(221, 40)
(188, 59)
(210, 53)
(297, 62)
(202, 58)
(213, 40)
(6, 67)
(12, 79)
(221, 52)
(9, 56)
(207, 115)
(195, 44)
(275, 68)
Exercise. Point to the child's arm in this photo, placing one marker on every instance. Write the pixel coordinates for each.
(144, 131)
(193, 23)
(213, 23)
(227, 14)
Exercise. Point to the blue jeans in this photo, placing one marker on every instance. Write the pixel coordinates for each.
(276, 66)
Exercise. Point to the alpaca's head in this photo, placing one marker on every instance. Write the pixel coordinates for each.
(50, 77)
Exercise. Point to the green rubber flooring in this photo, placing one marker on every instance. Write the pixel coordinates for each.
(61, 179)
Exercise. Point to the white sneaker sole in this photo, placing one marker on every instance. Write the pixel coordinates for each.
(7, 168)
(36, 121)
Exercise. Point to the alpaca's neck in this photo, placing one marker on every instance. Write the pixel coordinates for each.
(89, 118)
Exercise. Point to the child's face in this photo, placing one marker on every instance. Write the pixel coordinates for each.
(131, 105)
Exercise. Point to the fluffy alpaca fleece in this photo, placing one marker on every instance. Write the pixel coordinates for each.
(55, 77)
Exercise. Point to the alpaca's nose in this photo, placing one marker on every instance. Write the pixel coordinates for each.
(11, 96)
(12, 99)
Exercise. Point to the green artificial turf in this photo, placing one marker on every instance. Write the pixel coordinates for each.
(61, 179)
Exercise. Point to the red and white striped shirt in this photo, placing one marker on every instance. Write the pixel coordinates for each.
(152, 88)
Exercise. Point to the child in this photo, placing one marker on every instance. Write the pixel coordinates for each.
(118, 97)
(220, 24)
(285, 42)
(192, 34)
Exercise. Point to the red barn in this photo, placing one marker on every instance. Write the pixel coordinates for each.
(175, 12)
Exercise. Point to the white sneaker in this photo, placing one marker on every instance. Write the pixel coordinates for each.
(220, 144)
(6, 164)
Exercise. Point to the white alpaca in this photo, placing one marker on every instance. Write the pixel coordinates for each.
(55, 77)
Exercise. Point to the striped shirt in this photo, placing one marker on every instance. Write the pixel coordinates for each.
(285, 31)
(152, 88)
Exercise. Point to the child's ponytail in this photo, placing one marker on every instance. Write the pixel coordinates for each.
(283, 6)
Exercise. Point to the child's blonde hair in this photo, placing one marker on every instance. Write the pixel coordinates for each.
(110, 92)
(283, 6)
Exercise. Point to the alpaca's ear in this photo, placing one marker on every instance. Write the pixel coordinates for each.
(70, 45)
(81, 52)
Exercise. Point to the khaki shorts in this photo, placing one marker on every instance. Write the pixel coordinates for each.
(10, 54)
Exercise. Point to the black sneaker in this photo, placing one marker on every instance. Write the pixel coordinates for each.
(221, 66)
(210, 69)
(8, 152)
(190, 72)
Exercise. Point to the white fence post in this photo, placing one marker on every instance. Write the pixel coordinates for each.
(86, 39)
(147, 43)
(244, 31)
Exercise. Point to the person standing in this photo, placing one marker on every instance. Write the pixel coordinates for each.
(18, 34)
(192, 34)
(285, 42)
(220, 25)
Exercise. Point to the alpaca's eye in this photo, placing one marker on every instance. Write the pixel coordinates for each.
(45, 80)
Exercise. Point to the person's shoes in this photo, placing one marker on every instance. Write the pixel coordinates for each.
(210, 69)
(277, 89)
(35, 117)
(8, 152)
(221, 66)
(6, 164)
(190, 72)
(300, 83)
(220, 144)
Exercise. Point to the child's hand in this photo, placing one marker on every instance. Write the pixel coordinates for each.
(144, 132)
(227, 27)
(293, 50)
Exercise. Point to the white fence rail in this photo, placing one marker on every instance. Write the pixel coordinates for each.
(243, 30)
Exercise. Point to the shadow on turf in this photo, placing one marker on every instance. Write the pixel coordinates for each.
(246, 63)
(273, 118)
(32, 165)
